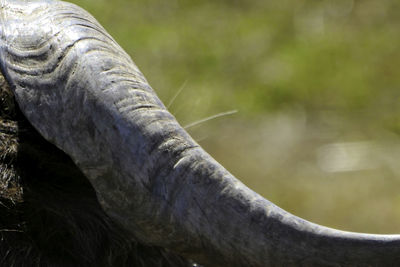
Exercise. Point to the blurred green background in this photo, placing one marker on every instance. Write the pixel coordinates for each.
(316, 87)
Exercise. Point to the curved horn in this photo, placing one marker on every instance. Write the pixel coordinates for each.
(83, 93)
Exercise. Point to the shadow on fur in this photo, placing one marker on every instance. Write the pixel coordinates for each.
(49, 214)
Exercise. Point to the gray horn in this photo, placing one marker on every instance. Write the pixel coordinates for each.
(84, 94)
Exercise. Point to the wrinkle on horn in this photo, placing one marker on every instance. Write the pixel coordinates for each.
(84, 94)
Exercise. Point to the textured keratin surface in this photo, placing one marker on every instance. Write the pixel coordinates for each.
(84, 94)
(49, 211)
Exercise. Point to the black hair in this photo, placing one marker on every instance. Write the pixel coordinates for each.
(49, 213)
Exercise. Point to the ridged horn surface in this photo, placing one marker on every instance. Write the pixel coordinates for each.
(84, 94)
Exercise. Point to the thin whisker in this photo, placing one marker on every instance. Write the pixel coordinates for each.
(177, 94)
(190, 125)
(199, 140)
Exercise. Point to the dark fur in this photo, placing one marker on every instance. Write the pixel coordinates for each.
(49, 214)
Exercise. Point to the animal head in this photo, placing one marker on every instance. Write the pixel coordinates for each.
(82, 93)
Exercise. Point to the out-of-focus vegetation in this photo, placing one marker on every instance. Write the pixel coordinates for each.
(316, 84)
